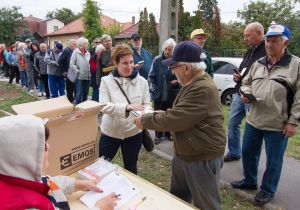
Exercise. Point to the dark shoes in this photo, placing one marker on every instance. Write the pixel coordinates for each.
(262, 198)
(157, 140)
(242, 186)
(229, 158)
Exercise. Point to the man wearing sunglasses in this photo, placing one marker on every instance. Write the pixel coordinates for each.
(199, 37)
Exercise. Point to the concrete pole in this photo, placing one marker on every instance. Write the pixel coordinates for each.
(168, 21)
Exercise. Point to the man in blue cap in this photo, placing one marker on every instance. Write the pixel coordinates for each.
(196, 120)
(272, 88)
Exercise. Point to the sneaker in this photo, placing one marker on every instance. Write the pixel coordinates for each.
(157, 140)
(262, 198)
(31, 91)
(40, 94)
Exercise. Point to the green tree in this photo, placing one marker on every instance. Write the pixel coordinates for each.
(216, 31)
(143, 27)
(10, 21)
(113, 30)
(154, 38)
(207, 7)
(279, 11)
(231, 43)
(184, 22)
(147, 30)
(197, 20)
(25, 35)
(65, 15)
(92, 25)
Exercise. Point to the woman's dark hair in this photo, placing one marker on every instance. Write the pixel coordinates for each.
(120, 51)
(35, 44)
(47, 133)
(12, 46)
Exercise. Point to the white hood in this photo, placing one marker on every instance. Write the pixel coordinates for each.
(22, 143)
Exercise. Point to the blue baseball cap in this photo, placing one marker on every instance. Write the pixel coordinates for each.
(186, 51)
(278, 30)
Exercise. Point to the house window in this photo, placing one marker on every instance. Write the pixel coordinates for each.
(55, 28)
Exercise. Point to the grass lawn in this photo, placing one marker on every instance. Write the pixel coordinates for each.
(151, 167)
(149, 163)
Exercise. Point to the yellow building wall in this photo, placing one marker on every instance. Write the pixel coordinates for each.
(63, 39)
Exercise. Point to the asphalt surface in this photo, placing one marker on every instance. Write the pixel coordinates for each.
(288, 192)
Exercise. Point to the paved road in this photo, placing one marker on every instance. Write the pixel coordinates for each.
(288, 193)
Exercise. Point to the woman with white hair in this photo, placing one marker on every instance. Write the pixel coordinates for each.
(163, 85)
(21, 63)
(80, 62)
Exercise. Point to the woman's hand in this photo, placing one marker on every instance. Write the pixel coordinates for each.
(138, 122)
(108, 202)
(135, 107)
(86, 185)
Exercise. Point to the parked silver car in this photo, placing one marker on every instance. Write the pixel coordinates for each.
(223, 76)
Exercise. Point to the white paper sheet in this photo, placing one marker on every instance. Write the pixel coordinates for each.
(114, 182)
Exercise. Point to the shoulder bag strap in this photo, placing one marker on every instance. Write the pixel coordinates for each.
(123, 91)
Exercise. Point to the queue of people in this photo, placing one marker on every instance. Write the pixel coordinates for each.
(187, 107)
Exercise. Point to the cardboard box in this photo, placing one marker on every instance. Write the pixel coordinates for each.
(73, 132)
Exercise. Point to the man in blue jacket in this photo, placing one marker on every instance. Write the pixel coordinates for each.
(142, 58)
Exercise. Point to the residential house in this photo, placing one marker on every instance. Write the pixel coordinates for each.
(75, 29)
(39, 28)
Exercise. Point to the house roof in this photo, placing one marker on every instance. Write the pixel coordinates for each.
(30, 18)
(126, 34)
(76, 26)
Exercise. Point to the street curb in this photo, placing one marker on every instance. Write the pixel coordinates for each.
(226, 185)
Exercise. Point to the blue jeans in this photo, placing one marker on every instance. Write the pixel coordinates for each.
(56, 84)
(236, 116)
(82, 90)
(275, 145)
(41, 86)
(95, 95)
(130, 148)
(23, 78)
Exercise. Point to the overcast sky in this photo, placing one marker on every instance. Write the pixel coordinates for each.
(121, 10)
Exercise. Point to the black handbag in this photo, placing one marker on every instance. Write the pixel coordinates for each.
(147, 139)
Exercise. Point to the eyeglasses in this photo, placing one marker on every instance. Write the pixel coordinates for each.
(200, 38)
(97, 42)
(174, 67)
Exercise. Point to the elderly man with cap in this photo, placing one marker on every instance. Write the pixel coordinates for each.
(199, 37)
(272, 88)
(196, 120)
(142, 58)
(55, 75)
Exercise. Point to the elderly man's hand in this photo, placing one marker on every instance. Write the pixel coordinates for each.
(138, 122)
(245, 99)
(236, 77)
(290, 130)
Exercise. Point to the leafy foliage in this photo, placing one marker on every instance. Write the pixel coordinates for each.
(26, 35)
(280, 11)
(113, 30)
(10, 21)
(92, 25)
(147, 30)
(208, 7)
(65, 15)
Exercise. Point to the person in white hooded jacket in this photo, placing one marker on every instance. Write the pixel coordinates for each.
(80, 62)
(23, 159)
(117, 127)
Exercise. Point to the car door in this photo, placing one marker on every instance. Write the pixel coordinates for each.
(223, 75)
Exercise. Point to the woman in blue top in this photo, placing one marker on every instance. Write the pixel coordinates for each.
(13, 64)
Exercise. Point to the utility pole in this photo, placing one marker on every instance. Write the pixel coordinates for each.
(168, 21)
